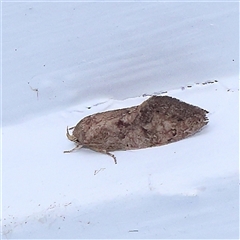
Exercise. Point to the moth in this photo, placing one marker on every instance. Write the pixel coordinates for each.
(157, 121)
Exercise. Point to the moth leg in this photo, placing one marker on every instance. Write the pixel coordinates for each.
(105, 152)
(77, 147)
(111, 155)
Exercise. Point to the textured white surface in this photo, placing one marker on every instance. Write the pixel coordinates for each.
(89, 57)
(76, 52)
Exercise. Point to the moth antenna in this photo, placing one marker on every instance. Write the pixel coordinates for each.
(70, 137)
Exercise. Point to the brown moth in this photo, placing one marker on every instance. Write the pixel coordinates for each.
(157, 121)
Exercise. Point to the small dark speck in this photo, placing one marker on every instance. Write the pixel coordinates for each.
(15, 49)
(233, 60)
(88, 107)
(189, 86)
(44, 65)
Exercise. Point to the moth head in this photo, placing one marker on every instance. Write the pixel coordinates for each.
(71, 137)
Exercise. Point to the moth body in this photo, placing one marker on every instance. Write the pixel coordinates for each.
(157, 121)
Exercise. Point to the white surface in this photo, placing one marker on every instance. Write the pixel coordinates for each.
(77, 52)
(82, 56)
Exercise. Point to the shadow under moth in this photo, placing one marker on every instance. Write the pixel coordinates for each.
(157, 121)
